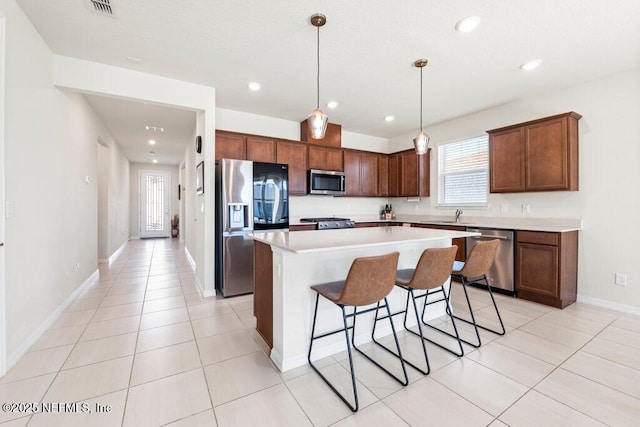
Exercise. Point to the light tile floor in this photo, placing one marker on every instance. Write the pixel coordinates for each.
(143, 340)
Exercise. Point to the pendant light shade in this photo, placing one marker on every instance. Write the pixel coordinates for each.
(317, 119)
(318, 123)
(421, 140)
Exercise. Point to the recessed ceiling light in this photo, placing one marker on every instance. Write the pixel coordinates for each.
(152, 142)
(389, 118)
(154, 128)
(468, 24)
(530, 65)
(332, 104)
(155, 160)
(254, 86)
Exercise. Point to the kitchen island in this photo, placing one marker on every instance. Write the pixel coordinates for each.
(287, 264)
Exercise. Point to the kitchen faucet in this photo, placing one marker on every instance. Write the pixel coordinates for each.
(458, 213)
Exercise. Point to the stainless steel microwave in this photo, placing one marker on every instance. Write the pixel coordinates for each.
(331, 183)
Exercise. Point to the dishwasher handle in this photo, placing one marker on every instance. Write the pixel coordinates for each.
(484, 236)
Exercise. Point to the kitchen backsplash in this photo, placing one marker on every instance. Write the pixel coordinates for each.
(319, 206)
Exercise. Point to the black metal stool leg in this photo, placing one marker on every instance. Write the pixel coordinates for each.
(395, 337)
(355, 407)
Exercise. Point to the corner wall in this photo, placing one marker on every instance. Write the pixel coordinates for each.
(608, 199)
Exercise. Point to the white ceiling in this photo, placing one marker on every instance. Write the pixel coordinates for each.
(367, 51)
(127, 121)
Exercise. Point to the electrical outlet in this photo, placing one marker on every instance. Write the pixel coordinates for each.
(504, 208)
(526, 209)
(621, 279)
(77, 267)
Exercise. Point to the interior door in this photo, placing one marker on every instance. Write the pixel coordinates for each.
(155, 204)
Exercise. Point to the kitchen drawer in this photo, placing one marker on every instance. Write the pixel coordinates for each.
(537, 237)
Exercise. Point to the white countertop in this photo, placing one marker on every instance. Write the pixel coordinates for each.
(328, 240)
(554, 225)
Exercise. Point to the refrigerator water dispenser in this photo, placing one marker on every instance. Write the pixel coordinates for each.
(238, 216)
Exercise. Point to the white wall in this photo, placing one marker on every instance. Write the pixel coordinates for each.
(134, 185)
(113, 199)
(103, 202)
(608, 200)
(51, 138)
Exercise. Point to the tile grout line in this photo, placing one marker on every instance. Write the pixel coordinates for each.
(135, 347)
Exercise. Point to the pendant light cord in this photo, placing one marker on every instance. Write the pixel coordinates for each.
(421, 98)
(318, 71)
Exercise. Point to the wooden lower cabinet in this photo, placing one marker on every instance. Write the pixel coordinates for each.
(302, 227)
(547, 267)
(263, 290)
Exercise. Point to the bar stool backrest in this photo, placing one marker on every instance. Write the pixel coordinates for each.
(480, 259)
(370, 279)
(433, 268)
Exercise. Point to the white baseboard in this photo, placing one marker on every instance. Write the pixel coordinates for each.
(608, 304)
(26, 345)
(134, 238)
(118, 251)
(209, 293)
(190, 258)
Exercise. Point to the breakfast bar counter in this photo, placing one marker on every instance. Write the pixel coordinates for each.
(287, 264)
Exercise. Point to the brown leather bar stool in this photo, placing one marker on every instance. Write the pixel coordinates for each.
(474, 271)
(369, 281)
(432, 271)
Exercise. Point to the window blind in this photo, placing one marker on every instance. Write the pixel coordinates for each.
(463, 172)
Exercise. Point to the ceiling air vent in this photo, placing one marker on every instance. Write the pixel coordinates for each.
(101, 7)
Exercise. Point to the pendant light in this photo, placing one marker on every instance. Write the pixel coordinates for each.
(318, 120)
(421, 140)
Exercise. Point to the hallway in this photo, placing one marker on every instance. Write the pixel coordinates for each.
(142, 341)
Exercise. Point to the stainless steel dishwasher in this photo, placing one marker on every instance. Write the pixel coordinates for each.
(501, 274)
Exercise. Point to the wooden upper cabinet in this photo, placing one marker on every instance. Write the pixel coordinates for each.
(507, 163)
(410, 176)
(230, 146)
(352, 172)
(383, 175)
(394, 187)
(334, 159)
(361, 173)
(541, 155)
(369, 174)
(261, 149)
(546, 153)
(295, 155)
(325, 158)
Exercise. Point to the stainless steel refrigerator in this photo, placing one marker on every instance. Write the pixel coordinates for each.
(249, 196)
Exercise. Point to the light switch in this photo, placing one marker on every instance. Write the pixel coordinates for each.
(87, 179)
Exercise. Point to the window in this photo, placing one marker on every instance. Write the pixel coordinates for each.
(463, 172)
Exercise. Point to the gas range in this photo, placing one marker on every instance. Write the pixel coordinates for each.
(330, 223)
